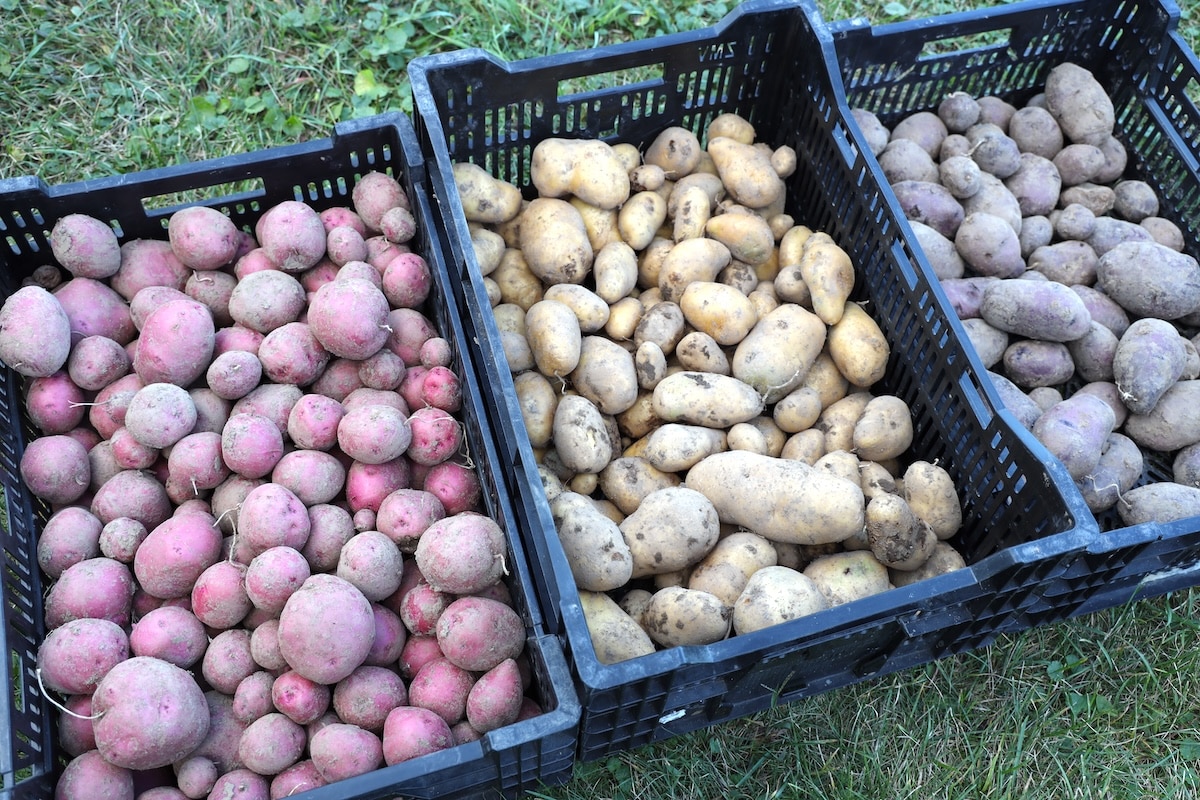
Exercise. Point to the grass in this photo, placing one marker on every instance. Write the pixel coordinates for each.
(1103, 706)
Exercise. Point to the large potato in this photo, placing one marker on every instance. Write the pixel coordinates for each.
(688, 261)
(599, 558)
(721, 311)
(552, 330)
(781, 499)
(884, 430)
(779, 350)
(484, 198)
(671, 530)
(931, 495)
(605, 374)
(746, 172)
(581, 436)
(554, 241)
(858, 346)
(674, 447)
(585, 168)
(701, 398)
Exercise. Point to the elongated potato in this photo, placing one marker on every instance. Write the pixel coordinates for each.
(674, 447)
(615, 635)
(538, 400)
(829, 274)
(858, 346)
(484, 198)
(606, 375)
(700, 398)
(688, 261)
(552, 330)
(585, 168)
(640, 217)
(599, 558)
(779, 350)
(746, 172)
(747, 235)
(581, 437)
(590, 309)
(789, 502)
(931, 495)
(554, 241)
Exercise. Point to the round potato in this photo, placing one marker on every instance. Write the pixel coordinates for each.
(606, 375)
(672, 529)
(845, 577)
(773, 595)
(728, 566)
(677, 617)
(721, 311)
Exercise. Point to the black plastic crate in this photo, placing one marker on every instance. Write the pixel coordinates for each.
(1135, 50)
(772, 62)
(321, 173)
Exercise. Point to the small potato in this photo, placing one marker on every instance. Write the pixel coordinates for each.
(858, 346)
(615, 635)
(555, 339)
(849, 576)
(699, 352)
(875, 479)
(884, 430)
(691, 212)
(538, 401)
(674, 447)
(898, 538)
(942, 560)
(599, 558)
(1119, 470)
(744, 436)
(725, 571)
(989, 245)
(651, 365)
(672, 529)
(678, 617)
(640, 218)
(623, 318)
(1032, 363)
(720, 311)
(746, 172)
(1035, 184)
(805, 446)
(663, 324)
(518, 285)
(676, 151)
(942, 254)
(838, 420)
(606, 375)
(590, 309)
(626, 481)
(773, 595)
(799, 410)
(634, 603)
(932, 497)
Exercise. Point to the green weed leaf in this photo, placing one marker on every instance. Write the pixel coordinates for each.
(237, 65)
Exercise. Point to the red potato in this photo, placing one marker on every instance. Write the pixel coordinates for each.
(390, 637)
(410, 330)
(407, 281)
(251, 445)
(361, 270)
(326, 629)
(85, 436)
(213, 290)
(274, 575)
(350, 318)
(292, 354)
(94, 309)
(455, 485)
(107, 412)
(160, 414)
(129, 452)
(99, 588)
(368, 484)
(212, 412)
(150, 299)
(89, 775)
(405, 514)
(300, 699)
(236, 337)
(195, 776)
(75, 732)
(57, 469)
(72, 534)
(264, 646)
(339, 379)
(398, 225)
(224, 732)
(330, 527)
(147, 262)
(197, 460)
(169, 633)
(442, 389)
(342, 215)
(411, 732)
(149, 714)
(174, 554)
(366, 396)
(314, 476)
(271, 744)
(463, 733)
(227, 661)
(253, 260)
(374, 434)
(367, 695)
(495, 699)
(272, 516)
(35, 332)
(252, 698)
(442, 687)
(219, 598)
(418, 651)
(462, 554)
(436, 352)
(341, 751)
(203, 238)
(317, 276)
(313, 422)
(121, 538)
(372, 563)
(55, 403)
(263, 301)
(271, 400)
(292, 236)
(383, 371)
(380, 251)
(132, 493)
(176, 343)
(76, 655)
(233, 374)
(85, 246)
(241, 784)
(343, 243)
(476, 633)
(374, 194)
(299, 777)
(436, 436)
(364, 520)
(97, 361)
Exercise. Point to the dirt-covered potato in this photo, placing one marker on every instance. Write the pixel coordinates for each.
(773, 595)
(746, 172)
(1159, 502)
(605, 374)
(1075, 431)
(933, 498)
(774, 356)
(1173, 423)
(858, 347)
(1044, 310)
(701, 398)
(581, 437)
(484, 198)
(554, 337)
(1149, 358)
(898, 538)
(585, 168)
(848, 576)
(672, 529)
(674, 447)
(942, 560)
(930, 203)
(1118, 470)
(989, 245)
(554, 241)
(677, 616)
(884, 430)
(599, 558)
(1148, 279)
(615, 635)
(1079, 103)
(626, 481)
(721, 311)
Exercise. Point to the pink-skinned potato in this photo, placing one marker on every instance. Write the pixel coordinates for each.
(176, 343)
(55, 403)
(74, 657)
(462, 554)
(90, 775)
(341, 751)
(56, 469)
(175, 553)
(100, 588)
(94, 309)
(202, 238)
(150, 714)
(147, 262)
(374, 194)
(292, 236)
(35, 332)
(366, 696)
(476, 633)
(495, 699)
(349, 318)
(85, 246)
(326, 629)
(411, 732)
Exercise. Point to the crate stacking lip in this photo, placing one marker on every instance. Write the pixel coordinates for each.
(321, 173)
(1136, 52)
(773, 63)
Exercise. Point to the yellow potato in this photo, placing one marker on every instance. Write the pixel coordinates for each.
(615, 636)
(774, 595)
(661, 323)
(488, 247)
(829, 275)
(484, 198)
(554, 241)
(733, 126)
(825, 377)
(876, 479)
(844, 577)
(745, 436)
(601, 224)
(651, 365)
(581, 436)
(798, 410)
(884, 430)
(841, 463)
(746, 172)
(677, 150)
(537, 400)
(591, 311)
(628, 154)
(605, 374)
(585, 168)
(552, 330)
(639, 419)
(600, 560)
(646, 177)
(673, 447)
(699, 398)
(509, 317)
(784, 161)
(727, 568)
(931, 494)
(781, 499)
(898, 538)
(943, 559)
(672, 529)
(838, 419)
(699, 352)
(691, 213)
(614, 270)
(804, 446)
(677, 617)
(626, 481)
(779, 350)
(650, 264)
(640, 218)
(772, 434)
(689, 261)
(710, 183)
(518, 285)
(721, 311)
(748, 236)
(858, 346)
(623, 318)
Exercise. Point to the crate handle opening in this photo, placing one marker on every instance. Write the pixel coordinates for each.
(251, 187)
(939, 48)
(616, 80)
